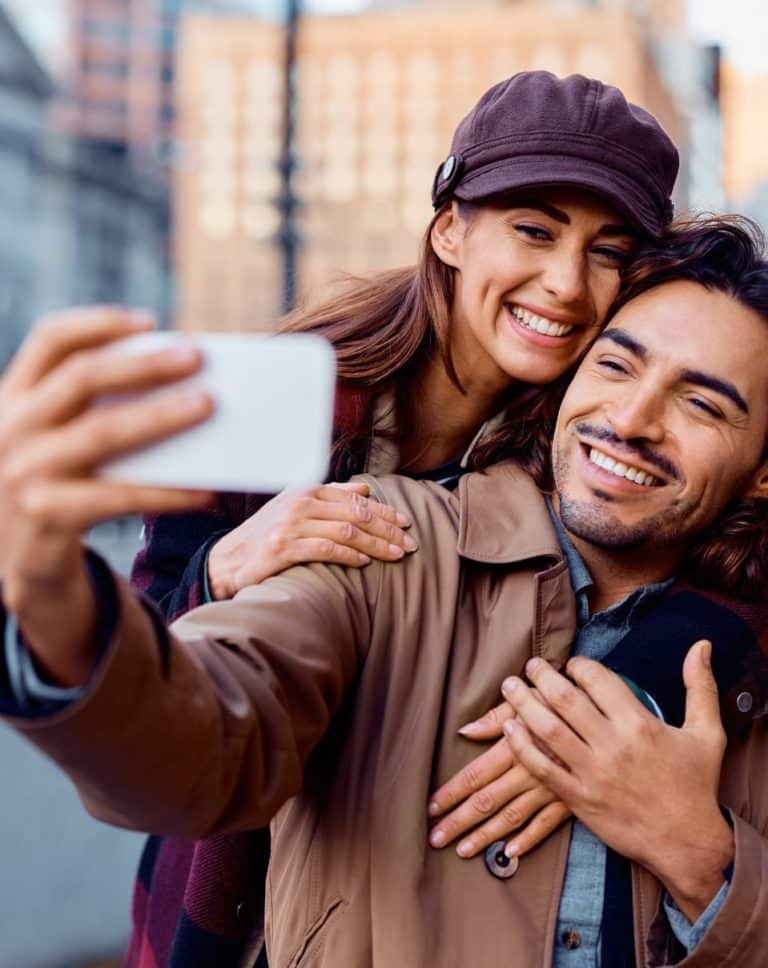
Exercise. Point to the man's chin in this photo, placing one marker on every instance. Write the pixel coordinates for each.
(599, 527)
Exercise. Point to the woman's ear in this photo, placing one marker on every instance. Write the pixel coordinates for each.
(447, 236)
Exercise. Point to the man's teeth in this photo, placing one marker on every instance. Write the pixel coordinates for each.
(621, 470)
(540, 324)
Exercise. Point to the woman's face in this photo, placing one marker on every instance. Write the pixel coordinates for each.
(534, 282)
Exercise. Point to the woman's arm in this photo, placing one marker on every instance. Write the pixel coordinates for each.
(192, 558)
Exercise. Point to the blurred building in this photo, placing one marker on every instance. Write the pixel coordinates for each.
(119, 83)
(25, 91)
(379, 95)
(119, 72)
(77, 223)
(745, 106)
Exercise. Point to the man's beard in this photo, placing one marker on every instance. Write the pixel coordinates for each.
(596, 525)
(593, 522)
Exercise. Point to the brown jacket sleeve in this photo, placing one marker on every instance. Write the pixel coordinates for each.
(737, 937)
(208, 729)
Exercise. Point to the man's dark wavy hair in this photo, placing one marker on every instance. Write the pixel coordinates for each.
(725, 254)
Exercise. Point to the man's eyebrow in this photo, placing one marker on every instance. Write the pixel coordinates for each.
(560, 216)
(723, 387)
(622, 338)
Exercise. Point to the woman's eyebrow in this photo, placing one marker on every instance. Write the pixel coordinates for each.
(564, 218)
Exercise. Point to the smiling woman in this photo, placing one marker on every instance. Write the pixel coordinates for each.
(450, 364)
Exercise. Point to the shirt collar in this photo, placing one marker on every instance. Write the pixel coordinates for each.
(628, 609)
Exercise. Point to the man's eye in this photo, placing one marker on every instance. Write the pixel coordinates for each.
(612, 365)
(534, 232)
(704, 406)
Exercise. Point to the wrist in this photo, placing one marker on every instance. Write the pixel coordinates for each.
(693, 873)
(218, 572)
(57, 623)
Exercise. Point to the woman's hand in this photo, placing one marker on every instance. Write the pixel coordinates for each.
(494, 797)
(54, 435)
(332, 523)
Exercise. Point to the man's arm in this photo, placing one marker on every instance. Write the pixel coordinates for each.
(184, 735)
(208, 729)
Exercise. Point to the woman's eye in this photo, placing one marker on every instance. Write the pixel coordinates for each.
(618, 257)
(534, 232)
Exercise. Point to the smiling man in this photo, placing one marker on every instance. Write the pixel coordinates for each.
(330, 700)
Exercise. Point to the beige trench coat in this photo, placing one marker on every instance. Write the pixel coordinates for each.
(328, 701)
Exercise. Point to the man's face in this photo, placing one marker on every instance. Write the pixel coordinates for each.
(665, 421)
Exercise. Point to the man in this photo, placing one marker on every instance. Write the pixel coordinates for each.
(344, 690)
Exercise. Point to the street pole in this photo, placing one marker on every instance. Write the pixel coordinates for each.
(288, 203)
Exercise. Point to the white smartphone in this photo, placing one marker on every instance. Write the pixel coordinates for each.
(273, 421)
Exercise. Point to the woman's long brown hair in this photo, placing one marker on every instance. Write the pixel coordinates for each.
(384, 328)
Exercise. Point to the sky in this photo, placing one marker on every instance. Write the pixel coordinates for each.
(740, 25)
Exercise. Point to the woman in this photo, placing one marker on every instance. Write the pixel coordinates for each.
(454, 363)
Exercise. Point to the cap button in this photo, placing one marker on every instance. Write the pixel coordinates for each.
(744, 702)
(449, 167)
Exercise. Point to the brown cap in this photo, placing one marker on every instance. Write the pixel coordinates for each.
(535, 129)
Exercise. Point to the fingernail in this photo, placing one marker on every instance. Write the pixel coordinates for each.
(465, 848)
(509, 685)
(396, 551)
(184, 354)
(141, 319)
(195, 400)
(409, 543)
(706, 654)
(363, 559)
(512, 848)
(437, 838)
(532, 664)
(403, 520)
(510, 727)
(433, 809)
(471, 729)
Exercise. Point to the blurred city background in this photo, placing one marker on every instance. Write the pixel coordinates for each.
(216, 161)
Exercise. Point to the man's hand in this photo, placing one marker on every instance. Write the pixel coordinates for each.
(54, 434)
(645, 789)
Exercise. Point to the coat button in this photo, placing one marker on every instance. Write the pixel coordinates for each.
(497, 861)
(241, 911)
(570, 939)
(744, 702)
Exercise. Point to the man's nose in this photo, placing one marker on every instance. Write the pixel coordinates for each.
(637, 414)
(565, 276)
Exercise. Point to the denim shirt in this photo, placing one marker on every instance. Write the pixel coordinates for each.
(577, 941)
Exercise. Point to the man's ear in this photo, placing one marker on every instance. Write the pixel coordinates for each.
(758, 486)
(447, 236)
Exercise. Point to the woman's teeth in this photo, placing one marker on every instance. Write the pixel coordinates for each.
(621, 470)
(539, 323)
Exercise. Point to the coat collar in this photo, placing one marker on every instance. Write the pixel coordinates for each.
(503, 518)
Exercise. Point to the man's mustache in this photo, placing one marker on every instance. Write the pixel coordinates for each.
(638, 449)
